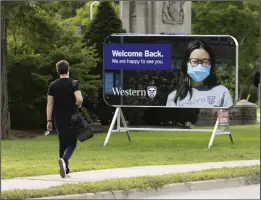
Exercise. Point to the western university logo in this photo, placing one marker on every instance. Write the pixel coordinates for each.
(211, 99)
(151, 91)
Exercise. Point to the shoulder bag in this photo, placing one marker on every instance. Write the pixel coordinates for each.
(80, 125)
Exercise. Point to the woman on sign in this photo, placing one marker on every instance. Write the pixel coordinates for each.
(198, 86)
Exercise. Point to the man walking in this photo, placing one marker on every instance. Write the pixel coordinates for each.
(63, 99)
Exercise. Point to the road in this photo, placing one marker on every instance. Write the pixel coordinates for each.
(243, 192)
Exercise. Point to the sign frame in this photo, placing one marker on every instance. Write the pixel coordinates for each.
(119, 118)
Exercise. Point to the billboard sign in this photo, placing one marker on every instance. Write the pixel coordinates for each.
(181, 71)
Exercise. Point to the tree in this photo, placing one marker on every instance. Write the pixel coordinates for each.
(239, 19)
(65, 9)
(36, 40)
(5, 118)
(104, 23)
(82, 17)
(15, 14)
(30, 26)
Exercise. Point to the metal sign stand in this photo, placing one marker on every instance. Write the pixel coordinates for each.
(221, 123)
(118, 115)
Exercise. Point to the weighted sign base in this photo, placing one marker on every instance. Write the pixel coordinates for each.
(219, 128)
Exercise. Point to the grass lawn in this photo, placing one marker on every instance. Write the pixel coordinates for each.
(252, 175)
(39, 156)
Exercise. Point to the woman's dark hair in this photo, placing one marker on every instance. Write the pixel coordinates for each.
(184, 83)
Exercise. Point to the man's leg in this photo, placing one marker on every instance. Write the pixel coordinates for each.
(62, 148)
(67, 144)
(70, 148)
(62, 163)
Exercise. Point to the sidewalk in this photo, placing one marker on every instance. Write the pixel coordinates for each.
(38, 182)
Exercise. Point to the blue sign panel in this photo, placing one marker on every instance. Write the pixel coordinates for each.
(137, 56)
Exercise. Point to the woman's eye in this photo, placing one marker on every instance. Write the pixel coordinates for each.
(206, 63)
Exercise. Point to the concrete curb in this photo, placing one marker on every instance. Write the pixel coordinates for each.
(146, 193)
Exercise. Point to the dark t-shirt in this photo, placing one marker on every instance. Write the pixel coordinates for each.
(64, 106)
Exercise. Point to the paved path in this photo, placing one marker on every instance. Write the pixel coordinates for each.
(243, 192)
(37, 182)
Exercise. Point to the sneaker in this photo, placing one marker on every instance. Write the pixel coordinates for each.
(62, 168)
(67, 171)
(67, 176)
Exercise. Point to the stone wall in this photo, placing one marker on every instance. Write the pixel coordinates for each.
(243, 112)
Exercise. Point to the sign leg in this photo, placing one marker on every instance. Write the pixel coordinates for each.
(111, 126)
(213, 134)
(119, 120)
(125, 125)
(230, 136)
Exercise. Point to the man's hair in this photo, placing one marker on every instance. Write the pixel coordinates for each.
(62, 67)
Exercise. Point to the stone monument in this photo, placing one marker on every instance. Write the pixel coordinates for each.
(154, 17)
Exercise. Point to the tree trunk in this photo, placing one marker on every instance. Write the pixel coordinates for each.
(5, 116)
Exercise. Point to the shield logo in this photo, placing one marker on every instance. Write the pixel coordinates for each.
(211, 99)
(151, 91)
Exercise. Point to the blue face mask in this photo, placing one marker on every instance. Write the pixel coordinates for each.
(198, 73)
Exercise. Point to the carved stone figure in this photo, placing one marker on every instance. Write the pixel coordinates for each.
(173, 12)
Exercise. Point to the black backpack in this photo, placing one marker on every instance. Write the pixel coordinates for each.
(80, 125)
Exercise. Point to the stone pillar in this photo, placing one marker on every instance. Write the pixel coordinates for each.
(173, 16)
(156, 16)
(151, 16)
(141, 17)
(132, 17)
(125, 14)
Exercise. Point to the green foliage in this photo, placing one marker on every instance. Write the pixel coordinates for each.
(65, 9)
(82, 60)
(104, 23)
(30, 26)
(30, 75)
(86, 113)
(36, 41)
(238, 19)
(27, 90)
(253, 92)
(82, 16)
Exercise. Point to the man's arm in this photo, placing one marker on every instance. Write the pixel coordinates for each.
(78, 97)
(49, 109)
(77, 94)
